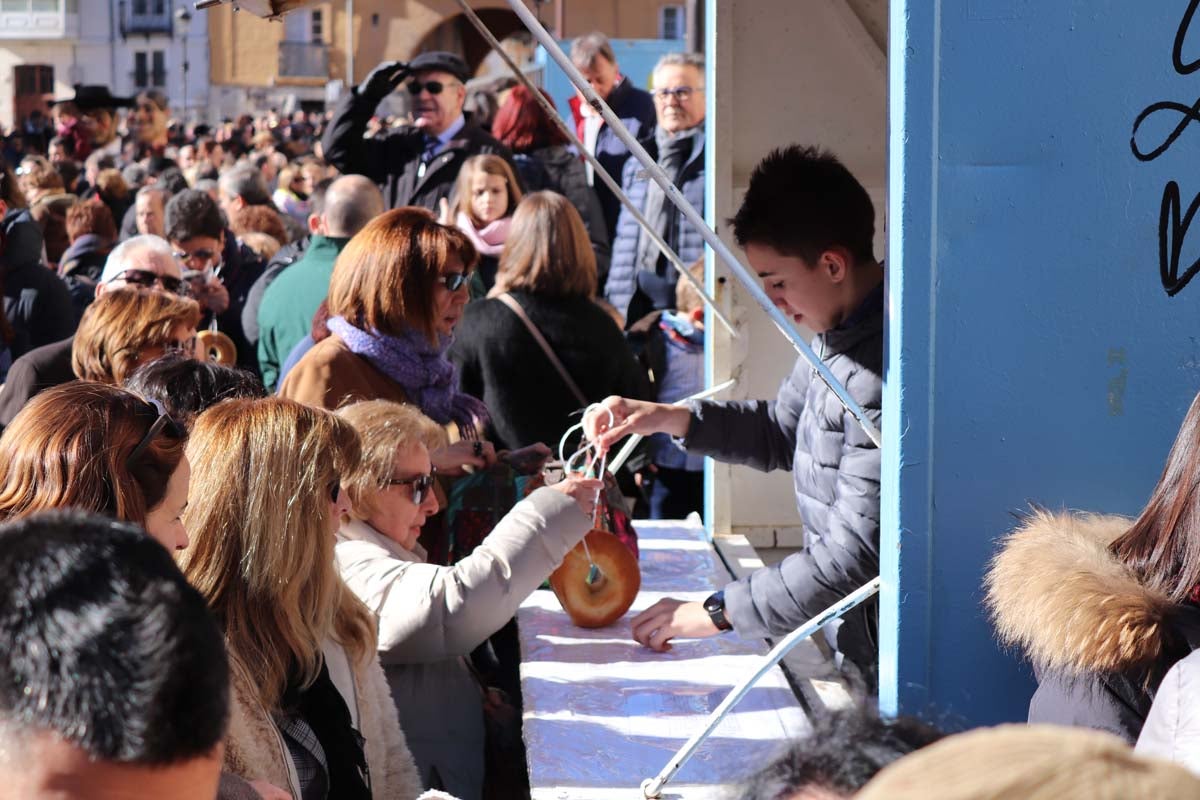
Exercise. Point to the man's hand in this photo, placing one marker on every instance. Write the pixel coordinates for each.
(452, 459)
(617, 417)
(527, 460)
(383, 80)
(669, 619)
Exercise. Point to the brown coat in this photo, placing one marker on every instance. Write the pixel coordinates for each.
(331, 376)
(255, 750)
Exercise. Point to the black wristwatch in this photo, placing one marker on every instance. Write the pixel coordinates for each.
(715, 606)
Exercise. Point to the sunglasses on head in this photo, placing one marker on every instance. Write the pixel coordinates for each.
(421, 485)
(162, 421)
(453, 281)
(144, 277)
(433, 87)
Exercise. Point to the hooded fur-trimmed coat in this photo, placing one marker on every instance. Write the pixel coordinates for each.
(1099, 640)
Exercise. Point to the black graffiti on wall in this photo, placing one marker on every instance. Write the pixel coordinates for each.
(1173, 221)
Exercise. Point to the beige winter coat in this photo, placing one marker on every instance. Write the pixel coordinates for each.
(431, 616)
(255, 750)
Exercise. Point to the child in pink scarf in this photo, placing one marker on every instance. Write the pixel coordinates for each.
(485, 197)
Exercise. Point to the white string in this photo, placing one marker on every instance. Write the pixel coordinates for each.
(589, 456)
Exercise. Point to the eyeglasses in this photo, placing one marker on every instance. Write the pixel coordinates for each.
(421, 484)
(144, 277)
(162, 422)
(680, 93)
(433, 87)
(203, 255)
(187, 346)
(335, 489)
(453, 281)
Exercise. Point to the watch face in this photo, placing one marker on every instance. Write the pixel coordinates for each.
(715, 602)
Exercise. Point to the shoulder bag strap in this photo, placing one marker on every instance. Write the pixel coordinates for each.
(515, 307)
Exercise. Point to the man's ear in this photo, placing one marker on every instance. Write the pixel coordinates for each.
(836, 263)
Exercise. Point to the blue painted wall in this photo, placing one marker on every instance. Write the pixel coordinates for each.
(1034, 354)
(636, 58)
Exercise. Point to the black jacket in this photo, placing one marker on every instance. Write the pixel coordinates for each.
(33, 373)
(286, 256)
(240, 269)
(558, 169)
(1099, 640)
(502, 365)
(36, 301)
(393, 159)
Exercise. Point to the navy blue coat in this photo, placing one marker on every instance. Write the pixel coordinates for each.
(635, 293)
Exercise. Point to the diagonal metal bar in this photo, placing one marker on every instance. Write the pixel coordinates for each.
(748, 279)
(612, 184)
(652, 787)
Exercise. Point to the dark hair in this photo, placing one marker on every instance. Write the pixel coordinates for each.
(193, 213)
(186, 387)
(522, 125)
(65, 142)
(801, 202)
(104, 643)
(1161, 547)
(69, 172)
(172, 181)
(157, 165)
(841, 754)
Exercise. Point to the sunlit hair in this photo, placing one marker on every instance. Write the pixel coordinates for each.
(1162, 546)
(484, 165)
(547, 250)
(121, 324)
(69, 447)
(522, 125)
(261, 549)
(385, 278)
(385, 429)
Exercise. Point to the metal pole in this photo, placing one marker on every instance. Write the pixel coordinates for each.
(349, 44)
(600, 171)
(652, 787)
(747, 278)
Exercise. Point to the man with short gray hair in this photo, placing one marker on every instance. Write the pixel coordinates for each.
(641, 279)
(593, 55)
(288, 305)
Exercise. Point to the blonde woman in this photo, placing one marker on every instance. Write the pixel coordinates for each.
(431, 617)
(311, 710)
(130, 326)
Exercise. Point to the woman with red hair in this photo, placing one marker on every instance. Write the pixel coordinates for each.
(546, 160)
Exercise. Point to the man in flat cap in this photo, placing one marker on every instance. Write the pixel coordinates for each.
(96, 109)
(418, 164)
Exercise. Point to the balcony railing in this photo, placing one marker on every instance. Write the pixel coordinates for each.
(39, 19)
(303, 60)
(145, 17)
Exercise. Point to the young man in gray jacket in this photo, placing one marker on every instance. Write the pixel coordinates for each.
(807, 226)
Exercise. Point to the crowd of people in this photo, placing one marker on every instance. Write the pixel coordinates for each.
(286, 348)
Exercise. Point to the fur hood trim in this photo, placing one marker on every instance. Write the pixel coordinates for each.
(1056, 592)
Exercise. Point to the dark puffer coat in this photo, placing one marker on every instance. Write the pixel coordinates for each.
(652, 290)
(1100, 641)
(558, 169)
(36, 301)
(835, 468)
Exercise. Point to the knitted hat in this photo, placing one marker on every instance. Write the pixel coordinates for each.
(1030, 762)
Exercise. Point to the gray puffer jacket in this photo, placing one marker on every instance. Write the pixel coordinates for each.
(836, 474)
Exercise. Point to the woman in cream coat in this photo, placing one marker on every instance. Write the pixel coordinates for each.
(431, 617)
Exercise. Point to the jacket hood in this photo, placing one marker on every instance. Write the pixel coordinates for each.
(22, 241)
(1056, 592)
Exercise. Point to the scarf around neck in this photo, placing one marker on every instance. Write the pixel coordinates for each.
(488, 240)
(422, 370)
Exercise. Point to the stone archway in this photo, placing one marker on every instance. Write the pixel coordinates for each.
(457, 35)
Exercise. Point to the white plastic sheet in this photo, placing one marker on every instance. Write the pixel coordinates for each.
(602, 713)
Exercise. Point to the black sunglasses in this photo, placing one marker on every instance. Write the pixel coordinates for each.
(454, 280)
(144, 277)
(335, 490)
(421, 484)
(201, 254)
(433, 87)
(163, 421)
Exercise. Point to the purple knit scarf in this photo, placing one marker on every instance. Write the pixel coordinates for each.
(422, 370)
